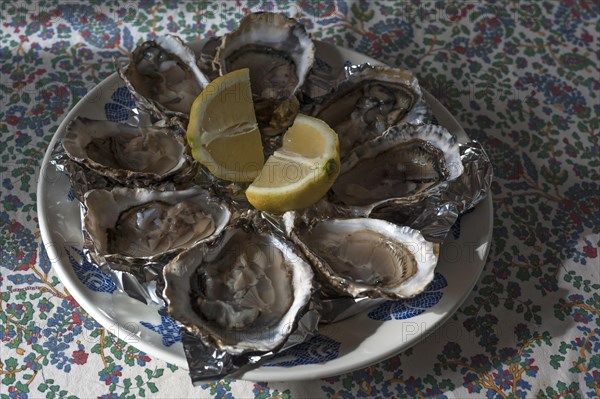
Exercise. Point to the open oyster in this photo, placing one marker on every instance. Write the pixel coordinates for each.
(140, 155)
(279, 54)
(126, 227)
(365, 257)
(404, 162)
(369, 101)
(163, 76)
(244, 293)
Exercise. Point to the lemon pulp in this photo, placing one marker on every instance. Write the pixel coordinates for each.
(222, 133)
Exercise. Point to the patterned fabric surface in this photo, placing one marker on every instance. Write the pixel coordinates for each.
(520, 76)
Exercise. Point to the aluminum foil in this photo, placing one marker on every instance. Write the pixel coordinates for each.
(82, 178)
(340, 308)
(145, 284)
(140, 280)
(435, 214)
(208, 363)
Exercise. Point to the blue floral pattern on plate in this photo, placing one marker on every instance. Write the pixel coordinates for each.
(405, 309)
(168, 330)
(319, 349)
(120, 109)
(88, 273)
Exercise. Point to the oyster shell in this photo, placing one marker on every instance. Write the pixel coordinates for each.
(206, 58)
(129, 227)
(146, 154)
(321, 82)
(369, 101)
(365, 257)
(405, 162)
(163, 77)
(244, 293)
(279, 54)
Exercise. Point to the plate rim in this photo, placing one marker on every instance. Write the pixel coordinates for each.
(74, 286)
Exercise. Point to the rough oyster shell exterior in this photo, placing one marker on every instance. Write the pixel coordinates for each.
(206, 58)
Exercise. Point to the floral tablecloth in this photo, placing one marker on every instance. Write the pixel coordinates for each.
(520, 76)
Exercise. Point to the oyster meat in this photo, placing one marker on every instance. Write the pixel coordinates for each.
(369, 101)
(128, 226)
(163, 76)
(132, 155)
(365, 257)
(279, 54)
(244, 293)
(404, 162)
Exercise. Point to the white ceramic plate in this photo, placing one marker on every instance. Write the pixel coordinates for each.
(356, 342)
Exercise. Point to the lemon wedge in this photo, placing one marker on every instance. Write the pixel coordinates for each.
(301, 171)
(222, 133)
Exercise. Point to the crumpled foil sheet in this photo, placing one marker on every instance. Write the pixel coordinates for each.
(82, 178)
(145, 284)
(434, 216)
(209, 364)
